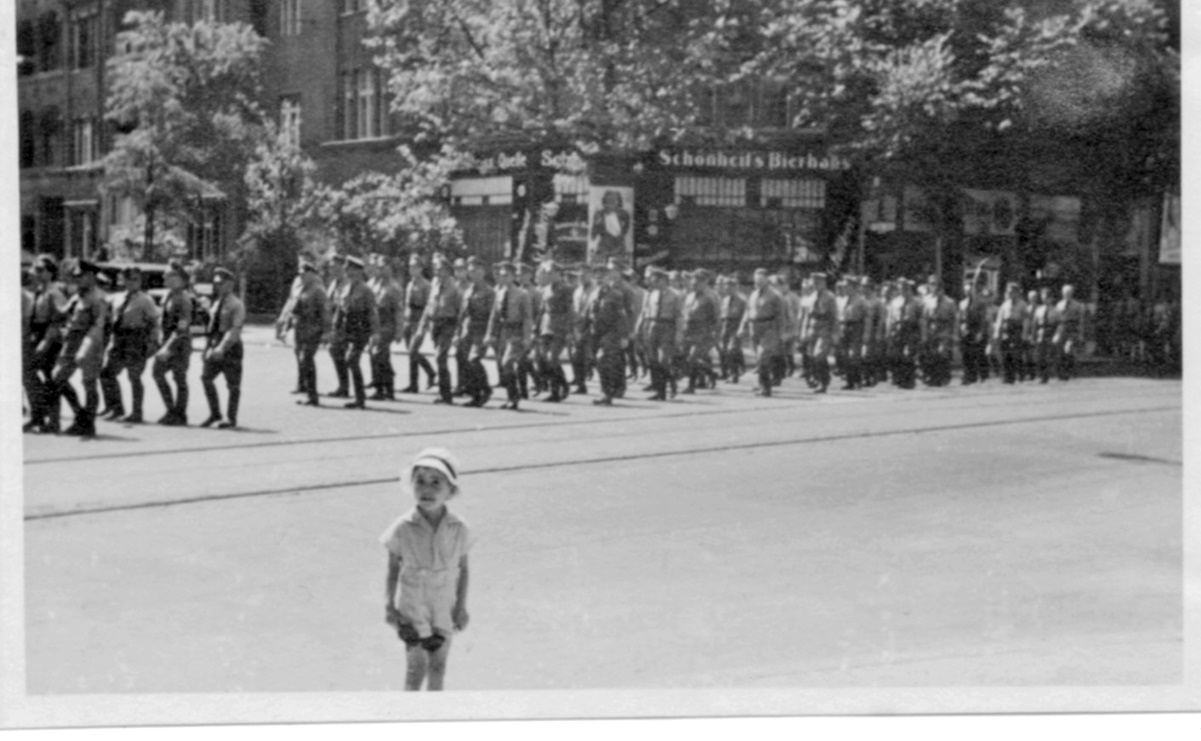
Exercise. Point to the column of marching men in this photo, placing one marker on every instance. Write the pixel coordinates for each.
(682, 332)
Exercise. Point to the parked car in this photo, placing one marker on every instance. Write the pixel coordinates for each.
(155, 285)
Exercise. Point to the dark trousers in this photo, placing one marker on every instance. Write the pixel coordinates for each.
(230, 366)
(610, 365)
(128, 356)
(64, 368)
(306, 356)
(353, 362)
(383, 375)
(416, 359)
(443, 336)
(550, 365)
(337, 353)
(176, 363)
(582, 361)
(43, 398)
(1012, 359)
(975, 362)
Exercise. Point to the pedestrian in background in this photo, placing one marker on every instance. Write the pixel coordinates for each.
(427, 577)
(311, 321)
(48, 313)
(335, 294)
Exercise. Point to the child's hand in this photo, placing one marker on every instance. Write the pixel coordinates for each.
(391, 615)
(460, 617)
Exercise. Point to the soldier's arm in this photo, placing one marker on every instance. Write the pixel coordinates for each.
(237, 318)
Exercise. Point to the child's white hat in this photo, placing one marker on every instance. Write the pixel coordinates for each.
(439, 459)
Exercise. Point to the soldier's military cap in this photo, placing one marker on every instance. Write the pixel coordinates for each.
(934, 280)
(222, 274)
(761, 271)
(307, 267)
(866, 281)
(656, 272)
(842, 281)
(416, 259)
(475, 262)
(354, 262)
(175, 268)
(47, 263)
(616, 263)
(83, 266)
(104, 280)
(702, 274)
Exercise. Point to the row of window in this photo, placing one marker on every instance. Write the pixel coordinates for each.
(364, 112)
(734, 192)
(42, 140)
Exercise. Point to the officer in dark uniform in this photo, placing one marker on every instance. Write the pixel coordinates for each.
(938, 333)
(765, 323)
(973, 334)
(441, 321)
(609, 325)
(223, 352)
(311, 320)
(175, 351)
(852, 319)
(701, 316)
(554, 326)
(135, 319)
(335, 293)
(478, 298)
(45, 340)
(821, 329)
(82, 348)
(583, 351)
(1011, 330)
(527, 368)
(357, 320)
(389, 304)
(904, 334)
(510, 330)
(730, 312)
(661, 329)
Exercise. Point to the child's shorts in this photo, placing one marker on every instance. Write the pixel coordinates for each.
(412, 639)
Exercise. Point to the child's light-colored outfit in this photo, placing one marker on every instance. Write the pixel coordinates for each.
(429, 570)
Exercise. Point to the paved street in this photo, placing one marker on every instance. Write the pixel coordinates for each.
(987, 535)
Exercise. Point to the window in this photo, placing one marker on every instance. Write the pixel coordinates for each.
(49, 36)
(482, 191)
(28, 141)
(204, 231)
(289, 18)
(289, 119)
(364, 109)
(83, 39)
(81, 226)
(353, 6)
(85, 144)
(51, 129)
(792, 194)
(368, 82)
(212, 11)
(711, 191)
(27, 47)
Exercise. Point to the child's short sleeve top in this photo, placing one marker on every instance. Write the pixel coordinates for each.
(429, 572)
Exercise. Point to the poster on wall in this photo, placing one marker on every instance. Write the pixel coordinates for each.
(1169, 234)
(611, 222)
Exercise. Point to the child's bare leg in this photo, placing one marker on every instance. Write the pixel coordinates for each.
(415, 665)
(437, 666)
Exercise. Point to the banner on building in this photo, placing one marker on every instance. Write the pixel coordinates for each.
(1137, 241)
(1059, 217)
(1169, 233)
(611, 221)
(989, 212)
(916, 209)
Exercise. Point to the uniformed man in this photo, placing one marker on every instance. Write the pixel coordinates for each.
(311, 320)
(973, 334)
(731, 310)
(510, 330)
(583, 352)
(28, 381)
(174, 353)
(554, 323)
(786, 365)
(223, 352)
(765, 323)
(478, 299)
(417, 294)
(904, 334)
(286, 321)
(661, 329)
(356, 320)
(804, 345)
(874, 337)
(441, 321)
(852, 322)
(134, 320)
(1027, 368)
(527, 368)
(389, 306)
(335, 292)
(1010, 331)
(1042, 332)
(82, 348)
(48, 314)
(939, 319)
(701, 320)
(609, 325)
(1069, 333)
(462, 280)
(634, 296)
(821, 329)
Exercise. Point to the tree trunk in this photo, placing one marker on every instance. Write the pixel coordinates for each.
(148, 234)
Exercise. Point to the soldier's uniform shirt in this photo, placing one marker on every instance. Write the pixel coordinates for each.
(607, 317)
(823, 316)
(555, 310)
(511, 324)
(87, 314)
(310, 313)
(176, 320)
(417, 295)
(1011, 320)
(1070, 316)
(852, 317)
(228, 314)
(701, 314)
(48, 313)
(973, 319)
(389, 306)
(939, 316)
(477, 309)
(134, 319)
(581, 302)
(444, 302)
(430, 560)
(356, 315)
(1042, 322)
(766, 318)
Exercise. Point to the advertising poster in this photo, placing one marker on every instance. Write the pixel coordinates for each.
(610, 222)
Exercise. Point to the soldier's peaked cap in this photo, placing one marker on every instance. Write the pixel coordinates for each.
(818, 276)
(354, 262)
(222, 274)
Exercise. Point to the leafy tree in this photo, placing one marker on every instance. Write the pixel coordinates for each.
(183, 100)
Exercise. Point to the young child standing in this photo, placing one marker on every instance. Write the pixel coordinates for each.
(427, 559)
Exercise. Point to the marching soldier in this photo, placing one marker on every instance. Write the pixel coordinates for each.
(336, 291)
(417, 295)
(820, 330)
(478, 299)
(973, 334)
(1010, 331)
(875, 337)
(731, 311)
(852, 322)
(634, 296)
(661, 328)
(135, 319)
(765, 322)
(175, 351)
(938, 333)
(48, 313)
(804, 311)
(462, 280)
(554, 323)
(510, 328)
(356, 320)
(609, 325)
(441, 321)
(1027, 369)
(311, 320)
(389, 306)
(904, 334)
(1069, 334)
(526, 368)
(701, 317)
(82, 348)
(1042, 333)
(786, 365)
(582, 350)
(223, 354)
(286, 321)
